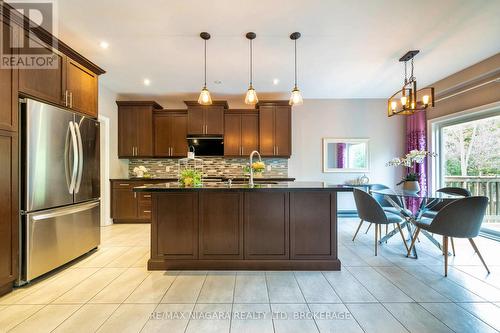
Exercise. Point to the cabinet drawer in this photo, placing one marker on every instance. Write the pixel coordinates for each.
(124, 184)
(144, 210)
(145, 198)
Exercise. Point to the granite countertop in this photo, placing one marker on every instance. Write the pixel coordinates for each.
(222, 178)
(176, 187)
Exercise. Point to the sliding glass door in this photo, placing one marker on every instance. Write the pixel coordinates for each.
(469, 157)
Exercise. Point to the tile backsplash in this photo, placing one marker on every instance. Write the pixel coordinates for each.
(212, 167)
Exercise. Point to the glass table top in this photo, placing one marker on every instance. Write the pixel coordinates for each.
(406, 194)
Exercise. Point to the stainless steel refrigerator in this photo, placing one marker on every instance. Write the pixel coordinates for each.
(60, 207)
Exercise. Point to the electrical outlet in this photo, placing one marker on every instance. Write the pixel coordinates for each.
(268, 168)
(167, 168)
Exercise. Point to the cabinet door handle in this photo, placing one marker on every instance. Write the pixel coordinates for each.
(274, 150)
(124, 184)
(147, 196)
(65, 98)
(71, 100)
(136, 151)
(147, 211)
(135, 195)
(277, 150)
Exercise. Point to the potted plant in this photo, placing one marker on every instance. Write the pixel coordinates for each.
(190, 178)
(258, 168)
(410, 161)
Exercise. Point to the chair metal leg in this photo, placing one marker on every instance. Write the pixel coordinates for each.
(402, 236)
(357, 230)
(479, 254)
(452, 246)
(368, 228)
(445, 247)
(386, 230)
(414, 238)
(376, 232)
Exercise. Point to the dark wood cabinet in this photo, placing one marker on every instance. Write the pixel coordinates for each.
(206, 120)
(170, 132)
(81, 88)
(275, 131)
(45, 84)
(221, 225)
(8, 94)
(313, 236)
(266, 225)
(68, 84)
(9, 214)
(241, 133)
(177, 222)
(130, 207)
(135, 128)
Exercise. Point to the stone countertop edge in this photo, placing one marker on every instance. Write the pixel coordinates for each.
(292, 186)
(224, 178)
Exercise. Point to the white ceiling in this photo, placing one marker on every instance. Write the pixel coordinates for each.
(348, 49)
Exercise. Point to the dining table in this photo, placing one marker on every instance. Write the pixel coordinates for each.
(422, 202)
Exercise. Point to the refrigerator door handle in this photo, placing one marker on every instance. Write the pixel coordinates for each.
(66, 158)
(75, 157)
(80, 157)
(65, 211)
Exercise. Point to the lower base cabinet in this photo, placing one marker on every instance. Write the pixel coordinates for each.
(9, 214)
(128, 206)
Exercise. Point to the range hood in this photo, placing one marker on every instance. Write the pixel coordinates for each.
(206, 145)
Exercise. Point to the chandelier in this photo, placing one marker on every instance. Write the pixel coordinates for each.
(409, 100)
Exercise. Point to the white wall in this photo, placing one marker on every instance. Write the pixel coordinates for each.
(108, 108)
(111, 166)
(345, 118)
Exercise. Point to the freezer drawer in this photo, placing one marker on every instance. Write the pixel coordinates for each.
(56, 236)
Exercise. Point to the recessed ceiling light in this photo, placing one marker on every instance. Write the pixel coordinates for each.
(147, 82)
(276, 81)
(104, 44)
(218, 82)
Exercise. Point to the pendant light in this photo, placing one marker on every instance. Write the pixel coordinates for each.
(251, 97)
(296, 97)
(205, 98)
(408, 99)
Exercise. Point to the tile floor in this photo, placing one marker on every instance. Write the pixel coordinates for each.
(111, 291)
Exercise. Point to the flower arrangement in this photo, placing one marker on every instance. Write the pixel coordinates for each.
(258, 167)
(190, 178)
(141, 171)
(410, 162)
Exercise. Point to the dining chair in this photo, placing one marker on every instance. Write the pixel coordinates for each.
(370, 210)
(461, 218)
(434, 208)
(386, 206)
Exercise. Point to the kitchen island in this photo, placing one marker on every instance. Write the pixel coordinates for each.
(279, 226)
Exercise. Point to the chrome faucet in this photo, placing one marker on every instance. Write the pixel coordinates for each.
(250, 182)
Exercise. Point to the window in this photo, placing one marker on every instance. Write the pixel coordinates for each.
(468, 149)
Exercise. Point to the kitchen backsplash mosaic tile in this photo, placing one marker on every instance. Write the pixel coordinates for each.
(212, 167)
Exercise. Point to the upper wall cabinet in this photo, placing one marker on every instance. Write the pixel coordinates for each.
(206, 120)
(81, 88)
(135, 128)
(275, 128)
(69, 83)
(45, 84)
(8, 94)
(170, 131)
(241, 132)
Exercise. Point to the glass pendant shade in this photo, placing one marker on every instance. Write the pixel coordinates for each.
(296, 97)
(251, 97)
(205, 98)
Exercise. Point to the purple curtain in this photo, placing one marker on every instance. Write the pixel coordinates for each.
(416, 138)
(341, 155)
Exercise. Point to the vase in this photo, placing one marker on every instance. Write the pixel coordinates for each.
(411, 186)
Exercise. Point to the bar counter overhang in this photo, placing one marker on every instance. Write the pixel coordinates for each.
(283, 226)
